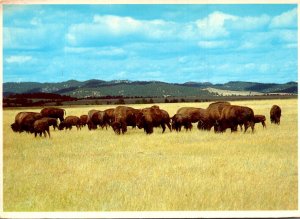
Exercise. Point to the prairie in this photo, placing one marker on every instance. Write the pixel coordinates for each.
(187, 171)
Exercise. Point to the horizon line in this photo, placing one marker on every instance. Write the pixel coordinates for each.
(124, 80)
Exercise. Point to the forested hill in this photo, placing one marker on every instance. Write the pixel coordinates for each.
(145, 88)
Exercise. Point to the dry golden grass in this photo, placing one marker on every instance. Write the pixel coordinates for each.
(198, 170)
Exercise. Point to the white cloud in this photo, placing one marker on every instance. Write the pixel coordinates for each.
(113, 28)
(287, 35)
(213, 44)
(18, 59)
(285, 20)
(213, 25)
(248, 23)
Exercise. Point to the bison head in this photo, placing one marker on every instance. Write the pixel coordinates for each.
(15, 127)
(116, 126)
(140, 119)
(61, 126)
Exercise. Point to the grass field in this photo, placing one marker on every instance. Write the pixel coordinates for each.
(198, 170)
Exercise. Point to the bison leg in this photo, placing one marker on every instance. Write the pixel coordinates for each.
(163, 127)
(35, 133)
(169, 126)
(252, 124)
(48, 131)
(246, 124)
(263, 124)
(124, 128)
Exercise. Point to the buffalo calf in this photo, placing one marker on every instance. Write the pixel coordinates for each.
(260, 119)
(41, 126)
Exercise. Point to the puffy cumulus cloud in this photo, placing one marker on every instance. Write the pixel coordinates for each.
(116, 29)
(18, 59)
(213, 25)
(285, 20)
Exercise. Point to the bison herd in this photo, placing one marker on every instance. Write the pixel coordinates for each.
(220, 115)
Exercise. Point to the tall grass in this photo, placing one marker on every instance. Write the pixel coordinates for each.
(198, 170)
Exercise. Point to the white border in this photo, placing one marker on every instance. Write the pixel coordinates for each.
(141, 214)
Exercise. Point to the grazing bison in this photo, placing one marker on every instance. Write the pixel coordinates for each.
(151, 117)
(232, 116)
(275, 114)
(110, 113)
(69, 122)
(124, 116)
(90, 123)
(214, 111)
(197, 115)
(41, 126)
(54, 112)
(51, 122)
(83, 120)
(95, 118)
(24, 121)
(260, 119)
(179, 120)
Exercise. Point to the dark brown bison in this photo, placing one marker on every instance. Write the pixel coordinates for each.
(232, 116)
(54, 112)
(275, 114)
(179, 120)
(69, 122)
(151, 117)
(95, 118)
(197, 115)
(260, 119)
(124, 116)
(110, 113)
(41, 126)
(214, 111)
(83, 120)
(51, 122)
(24, 121)
(90, 123)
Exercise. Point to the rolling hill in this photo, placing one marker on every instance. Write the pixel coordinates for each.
(127, 88)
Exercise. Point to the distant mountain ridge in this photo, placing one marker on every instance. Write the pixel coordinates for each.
(95, 87)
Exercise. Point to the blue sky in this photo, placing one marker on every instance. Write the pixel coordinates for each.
(171, 43)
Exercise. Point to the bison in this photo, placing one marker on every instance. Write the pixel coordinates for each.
(275, 114)
(232, 116)
(41, 126)
(54, 112)
(197, 115)
(179, 120)
(110, 113)
(260, 119)
(95, 118)
(69, 122)
(214, 111)
(51, 122)
(151, 117)
(24, 121)
(124, 116)
(83, 120)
